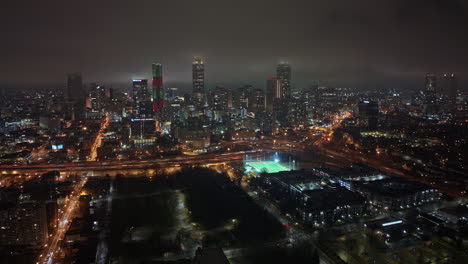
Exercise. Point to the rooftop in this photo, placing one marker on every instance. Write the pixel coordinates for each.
(332, 198)
(393, 187)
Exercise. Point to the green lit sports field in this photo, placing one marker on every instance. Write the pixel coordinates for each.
(268, 166)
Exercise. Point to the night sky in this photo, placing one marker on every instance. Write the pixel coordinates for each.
(358, 43)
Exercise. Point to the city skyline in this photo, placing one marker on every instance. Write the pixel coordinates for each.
(385, 46)
(415, 83)
(217, 132)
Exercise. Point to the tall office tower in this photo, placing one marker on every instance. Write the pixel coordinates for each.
(449, 86)
(75, 94)
(283, 74)
(158, 93)
(198, 81)
(368, 112)
(140, 91)
(273, 91)
(430, 87)
(97, 98)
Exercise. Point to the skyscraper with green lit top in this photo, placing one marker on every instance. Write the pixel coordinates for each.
(158, 92)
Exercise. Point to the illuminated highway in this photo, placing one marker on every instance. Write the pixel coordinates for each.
(98, 139)
(65, 219)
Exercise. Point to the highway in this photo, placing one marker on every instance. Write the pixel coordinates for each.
(386, 167)
(130, 164)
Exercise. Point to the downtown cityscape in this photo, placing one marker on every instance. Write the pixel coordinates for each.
(173, 160)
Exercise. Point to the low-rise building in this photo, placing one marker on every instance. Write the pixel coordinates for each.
(395, 193)
(313, 199)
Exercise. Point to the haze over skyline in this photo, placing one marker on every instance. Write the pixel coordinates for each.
(360, 44)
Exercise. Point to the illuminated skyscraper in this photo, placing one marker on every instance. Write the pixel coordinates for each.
(198, 81)
(158, 92)
(97, 98)
(220, 98)
(273, 91)
(140, 91)
(283, 74)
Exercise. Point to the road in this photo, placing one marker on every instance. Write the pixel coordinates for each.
(130, 164)
(64, 223)
(98, 139)
(388, 168)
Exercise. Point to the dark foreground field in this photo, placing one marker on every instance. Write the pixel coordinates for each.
(169, 216)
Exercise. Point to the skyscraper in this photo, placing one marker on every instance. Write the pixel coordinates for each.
(74, 85)
(430, 87)
(368, 112)
(158, 92)
(97, 97)
(273, 91)
(449, 86)
(257, 101)
(75, 94)
(283, 74)
(140, 90)
(198, 81)
(220, 98)
(243, 94)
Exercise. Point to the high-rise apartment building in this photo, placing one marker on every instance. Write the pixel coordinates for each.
(243, 94)
(257, 101)
(97, 98)
(24, 224)
(283, 74)
(220, 98)
(140, 91)
(273, 92)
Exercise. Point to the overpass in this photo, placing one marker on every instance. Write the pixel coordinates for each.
(118, 165)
